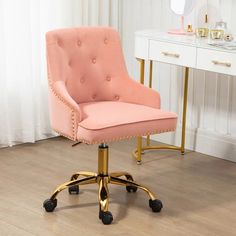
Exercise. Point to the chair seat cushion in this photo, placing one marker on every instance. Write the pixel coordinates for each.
(111, 121)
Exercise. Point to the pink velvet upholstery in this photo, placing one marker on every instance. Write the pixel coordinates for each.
(92, 97)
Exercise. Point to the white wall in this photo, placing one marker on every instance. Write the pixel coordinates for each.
(211, 118)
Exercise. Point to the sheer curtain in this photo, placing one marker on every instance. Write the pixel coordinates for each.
(23, 79)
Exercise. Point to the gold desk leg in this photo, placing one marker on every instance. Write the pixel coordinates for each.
(184, 110)
(148, 140)
(150, 86)
(150, 74)
(142, 69)
(139, 150)
(139, 143)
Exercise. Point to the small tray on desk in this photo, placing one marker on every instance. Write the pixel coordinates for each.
(224, 45)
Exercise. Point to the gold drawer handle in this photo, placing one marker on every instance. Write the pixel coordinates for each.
(169, 54)
(227, 64)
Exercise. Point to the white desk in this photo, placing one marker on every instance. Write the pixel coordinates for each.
(186, 51)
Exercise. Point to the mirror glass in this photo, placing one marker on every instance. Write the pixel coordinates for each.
(182, 7)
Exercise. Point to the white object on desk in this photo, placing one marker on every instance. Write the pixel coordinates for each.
(182, 8)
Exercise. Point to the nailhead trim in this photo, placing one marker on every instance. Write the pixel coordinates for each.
(74, 125)
(65, 135)
(61, 98)
(125, 137)
(73, 112)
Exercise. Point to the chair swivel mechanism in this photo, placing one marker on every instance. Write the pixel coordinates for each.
(93, 100)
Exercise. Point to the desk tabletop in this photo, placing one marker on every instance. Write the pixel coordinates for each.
(188, 40)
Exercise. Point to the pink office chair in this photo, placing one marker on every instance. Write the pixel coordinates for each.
(93, 100)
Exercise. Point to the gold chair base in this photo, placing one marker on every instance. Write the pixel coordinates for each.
(102, 178)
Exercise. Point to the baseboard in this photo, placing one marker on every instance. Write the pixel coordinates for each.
(206, 142)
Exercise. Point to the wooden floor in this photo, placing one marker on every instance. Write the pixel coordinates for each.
(198, 192)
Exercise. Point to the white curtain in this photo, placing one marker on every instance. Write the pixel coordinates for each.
(23, 78)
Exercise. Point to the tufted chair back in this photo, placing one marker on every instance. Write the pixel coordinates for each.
(89, 61)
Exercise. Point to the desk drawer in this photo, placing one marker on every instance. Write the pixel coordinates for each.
(172, 53)
(216, 61)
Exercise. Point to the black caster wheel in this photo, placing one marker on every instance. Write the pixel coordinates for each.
(131, 189)
(50, 205)
(73, 189)
(156, 205)
(106, 217)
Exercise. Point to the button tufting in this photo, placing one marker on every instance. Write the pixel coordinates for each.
(59, 43)
(70, 63)
(117, 97)
(79, 43)
(108, 78)
(94, 96)
(82, 80)
(94, 60)
(106, 41)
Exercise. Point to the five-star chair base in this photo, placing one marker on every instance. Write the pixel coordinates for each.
(102, 178)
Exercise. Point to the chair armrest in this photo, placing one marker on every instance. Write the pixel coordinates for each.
(137, 93)
(64, 111)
